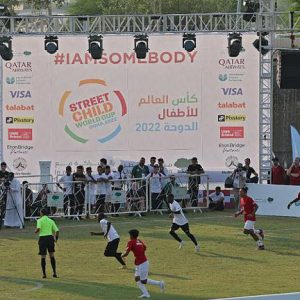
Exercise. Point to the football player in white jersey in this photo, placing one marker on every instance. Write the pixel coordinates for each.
(180, 221)
(109, 232)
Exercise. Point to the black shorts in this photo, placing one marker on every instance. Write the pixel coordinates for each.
(185, 227)
(112, 247)
(46, 243)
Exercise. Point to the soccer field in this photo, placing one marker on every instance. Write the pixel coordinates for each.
(228, 264)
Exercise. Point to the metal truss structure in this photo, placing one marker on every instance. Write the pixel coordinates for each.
(266, 20)
(124, 24)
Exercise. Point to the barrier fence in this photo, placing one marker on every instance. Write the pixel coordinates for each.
(189, 190)
(75, 199)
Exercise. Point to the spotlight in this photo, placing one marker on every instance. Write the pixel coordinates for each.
(252, 6)
(234, 44)
(262, 43)
(189, 42)
(51, 44)
(5, 48)
(96, 46)
(141, 46)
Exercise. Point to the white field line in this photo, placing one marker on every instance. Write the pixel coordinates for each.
(284, 296)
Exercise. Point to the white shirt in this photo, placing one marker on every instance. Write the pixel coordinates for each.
(165, 172)
(67, 181)
(91, 188)
(151, 168)
(178, 219)
(108, 184)
(112, 234)
(100, 189)
(118, 176)
(155, 181)
(215, 198)
(239, 179)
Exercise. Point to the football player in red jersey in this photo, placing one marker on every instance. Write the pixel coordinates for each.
(248, 207)
(294, 201)
(141, 264)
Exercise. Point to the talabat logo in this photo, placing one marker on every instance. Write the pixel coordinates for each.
(92, 112)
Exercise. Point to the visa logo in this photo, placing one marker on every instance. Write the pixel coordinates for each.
(232, 91)
(20, 94)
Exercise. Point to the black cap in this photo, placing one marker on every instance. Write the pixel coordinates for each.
(275, 159)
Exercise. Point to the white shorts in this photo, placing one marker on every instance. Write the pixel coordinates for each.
(249, 225)
(142, 270)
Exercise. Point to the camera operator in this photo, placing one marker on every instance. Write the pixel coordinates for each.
(14, 216)
(3, 173)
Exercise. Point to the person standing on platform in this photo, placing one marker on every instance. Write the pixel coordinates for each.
(278, 172)
(294, 172)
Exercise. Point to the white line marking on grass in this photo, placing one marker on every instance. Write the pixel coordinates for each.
(284, 296)
(37, 285)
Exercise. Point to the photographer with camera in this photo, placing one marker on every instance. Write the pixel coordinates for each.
(14, 215)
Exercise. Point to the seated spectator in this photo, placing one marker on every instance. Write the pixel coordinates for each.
(216, 200)
(278, 172)
(249, 171)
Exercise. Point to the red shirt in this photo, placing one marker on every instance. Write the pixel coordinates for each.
(295, 180)
(278, 175)
(138, 248)
(248, 204)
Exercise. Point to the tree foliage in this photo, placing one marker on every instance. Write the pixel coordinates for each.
(45, 4)
(88, 7)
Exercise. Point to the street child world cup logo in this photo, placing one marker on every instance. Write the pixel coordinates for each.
(92, 111)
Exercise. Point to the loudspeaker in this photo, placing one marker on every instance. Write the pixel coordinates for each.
(288, 69)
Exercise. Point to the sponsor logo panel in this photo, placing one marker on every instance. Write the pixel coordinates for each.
(19, 66)
(18, 80)
(232, 132)
(231, 118)
(19, 149)
(20, 94)
(20, 164)
(19, 134)
(232, 105)
(19, 107)
(232, 91)
(19, 120)
(232, 63)
(227, 77)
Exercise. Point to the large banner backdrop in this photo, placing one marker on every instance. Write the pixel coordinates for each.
(71, 109)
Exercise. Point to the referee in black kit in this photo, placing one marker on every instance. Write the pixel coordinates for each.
(48, 233)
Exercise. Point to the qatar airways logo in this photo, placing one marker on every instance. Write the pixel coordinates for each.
(232, 63)
(96, 114)
(19, 66)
